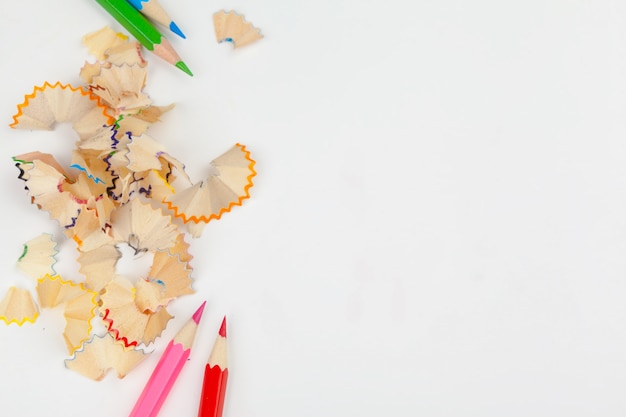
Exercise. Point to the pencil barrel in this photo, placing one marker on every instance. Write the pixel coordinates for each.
(133, 21)
(161, 381)
(213, 391)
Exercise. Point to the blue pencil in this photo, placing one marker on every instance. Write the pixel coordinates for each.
(153, 10)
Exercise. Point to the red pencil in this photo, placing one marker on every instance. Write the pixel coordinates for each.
(215, 377)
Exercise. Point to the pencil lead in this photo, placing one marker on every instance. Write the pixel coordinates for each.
(181, 65)
(174, 28)
(223, 328)
(198, 314)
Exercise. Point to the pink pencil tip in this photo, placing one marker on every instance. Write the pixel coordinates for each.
(198, 314)
(223, 328)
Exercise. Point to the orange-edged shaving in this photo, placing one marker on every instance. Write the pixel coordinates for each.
(227, 186)
(58, 103)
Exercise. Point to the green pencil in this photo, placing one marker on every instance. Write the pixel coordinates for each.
(143, 31)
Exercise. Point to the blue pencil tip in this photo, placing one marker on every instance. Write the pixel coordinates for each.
(177, 30)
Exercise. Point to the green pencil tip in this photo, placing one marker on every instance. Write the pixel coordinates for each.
(184, 67)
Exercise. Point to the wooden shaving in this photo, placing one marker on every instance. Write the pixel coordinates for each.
(38, 256)
(80, 306)
(18, 307)
(101, 354)
(232, 27)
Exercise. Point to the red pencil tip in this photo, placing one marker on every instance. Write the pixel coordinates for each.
(198, 314)
(223, 328)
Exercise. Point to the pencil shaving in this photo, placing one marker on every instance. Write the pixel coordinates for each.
(59, 103)
(80, 307)
(143, 154)
(98, 42)
(120, 87)
(171, 276)
(44, 184)
(18, 307)
(54, 290)
(125, 54)
(232, 27)
(139, 122)
(98, 265)
(227, 186)
(124, 318)
(89, 232)
(91, 164)
(38, 256)
(101, 354)
(143, 228)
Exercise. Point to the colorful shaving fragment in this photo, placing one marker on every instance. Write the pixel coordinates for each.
(50, 189)
(89, 175)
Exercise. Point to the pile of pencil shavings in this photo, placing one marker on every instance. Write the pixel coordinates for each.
(122, 187)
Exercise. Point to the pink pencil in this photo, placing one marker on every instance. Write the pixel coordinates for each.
(167, 370)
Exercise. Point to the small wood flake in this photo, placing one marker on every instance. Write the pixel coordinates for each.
(18, 307)
(38, 256)
(232, 27)
(102, 353)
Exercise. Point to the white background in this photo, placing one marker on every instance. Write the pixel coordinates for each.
(438, 226)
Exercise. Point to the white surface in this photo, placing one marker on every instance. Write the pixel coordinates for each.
(438, 226)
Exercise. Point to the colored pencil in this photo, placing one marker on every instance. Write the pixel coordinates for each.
(152, 9)
(215, 378)
(167, 370)
(143, 31)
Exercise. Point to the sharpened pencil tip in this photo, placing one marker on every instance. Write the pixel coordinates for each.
(174, 28)
(181, 65)
(198, 314)
(223, 328)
